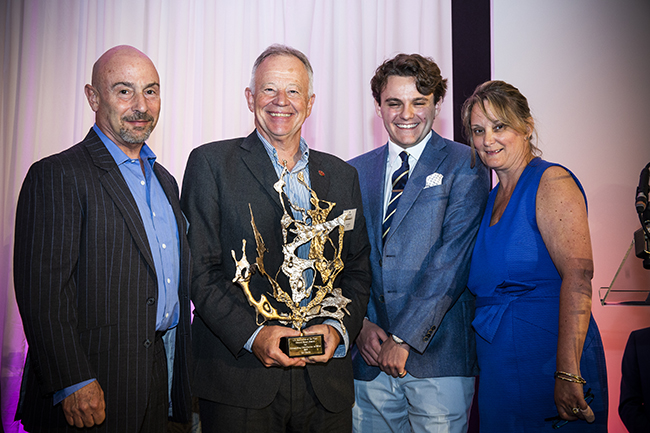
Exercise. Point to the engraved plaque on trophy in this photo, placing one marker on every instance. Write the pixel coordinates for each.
(305, 345)
(304, 299)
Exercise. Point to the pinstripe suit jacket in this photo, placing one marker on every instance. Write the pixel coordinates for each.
(86, 288)
(221, 180)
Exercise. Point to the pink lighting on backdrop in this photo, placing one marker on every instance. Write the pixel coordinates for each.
(586, 85)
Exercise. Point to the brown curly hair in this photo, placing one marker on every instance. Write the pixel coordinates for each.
(425, 71)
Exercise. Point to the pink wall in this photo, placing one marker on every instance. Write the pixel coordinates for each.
(583, 64)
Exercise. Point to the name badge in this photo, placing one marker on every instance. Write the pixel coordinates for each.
(350, 216)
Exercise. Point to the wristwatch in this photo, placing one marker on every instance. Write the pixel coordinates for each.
(396, 339)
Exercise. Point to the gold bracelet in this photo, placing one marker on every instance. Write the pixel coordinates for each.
(569, 377)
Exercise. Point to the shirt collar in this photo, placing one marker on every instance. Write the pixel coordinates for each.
(273, 154)
(414, 151)
(146, 154)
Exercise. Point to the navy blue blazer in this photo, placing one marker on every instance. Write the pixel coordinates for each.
(87, 289)
(419, 276)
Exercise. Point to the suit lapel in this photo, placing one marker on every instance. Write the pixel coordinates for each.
(431, 158)
(319, 177)
(119, 191)
(260, 166)
(375, 195)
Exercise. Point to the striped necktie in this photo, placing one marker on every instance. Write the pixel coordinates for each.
(400, 177)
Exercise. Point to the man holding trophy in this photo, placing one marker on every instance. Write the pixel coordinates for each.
(281, 272)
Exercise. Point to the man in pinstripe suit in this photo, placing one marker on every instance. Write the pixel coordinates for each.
(101, 269)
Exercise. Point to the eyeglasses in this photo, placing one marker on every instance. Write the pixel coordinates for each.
(559, 422)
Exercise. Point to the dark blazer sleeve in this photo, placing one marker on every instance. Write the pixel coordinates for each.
(46, 250)
(218, 301)
(635, 382)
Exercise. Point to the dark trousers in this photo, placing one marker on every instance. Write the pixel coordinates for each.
(155, 419)
(295, 409)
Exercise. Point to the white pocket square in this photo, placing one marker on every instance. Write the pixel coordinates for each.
(434, 179)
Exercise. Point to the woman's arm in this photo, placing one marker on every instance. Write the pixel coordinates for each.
(562, 220)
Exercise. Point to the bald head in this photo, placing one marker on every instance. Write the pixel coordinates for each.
(125, 96)
(116, 58)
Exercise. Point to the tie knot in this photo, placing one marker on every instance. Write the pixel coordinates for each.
(404, 156)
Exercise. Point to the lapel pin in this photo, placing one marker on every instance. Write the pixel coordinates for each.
(321, 172)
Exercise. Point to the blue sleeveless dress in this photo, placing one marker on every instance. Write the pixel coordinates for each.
(517, 290)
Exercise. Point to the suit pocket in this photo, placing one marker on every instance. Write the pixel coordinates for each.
(98, 340)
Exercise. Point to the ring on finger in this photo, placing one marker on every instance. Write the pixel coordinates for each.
(575, 410)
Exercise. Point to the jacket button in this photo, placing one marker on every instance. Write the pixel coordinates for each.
(380, 263)
(151, 301)
(147, 343)
(381, 299)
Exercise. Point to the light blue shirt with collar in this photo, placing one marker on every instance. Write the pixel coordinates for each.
(299, 195)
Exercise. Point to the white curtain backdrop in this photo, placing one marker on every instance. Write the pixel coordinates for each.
(204, 50)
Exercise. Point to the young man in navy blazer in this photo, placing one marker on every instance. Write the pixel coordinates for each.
(416, 360)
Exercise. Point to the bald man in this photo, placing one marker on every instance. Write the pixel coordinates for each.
(101, 269)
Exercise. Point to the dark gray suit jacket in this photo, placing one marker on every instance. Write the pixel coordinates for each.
(221, 180)
(87, 289)
(419, 276)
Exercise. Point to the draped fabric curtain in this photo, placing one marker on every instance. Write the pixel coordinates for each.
(204, 51)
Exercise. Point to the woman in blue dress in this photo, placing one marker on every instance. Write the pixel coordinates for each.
(540, 355)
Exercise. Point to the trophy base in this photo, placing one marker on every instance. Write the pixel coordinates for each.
(305, 345)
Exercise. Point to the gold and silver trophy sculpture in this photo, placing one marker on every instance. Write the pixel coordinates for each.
(306, 300)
